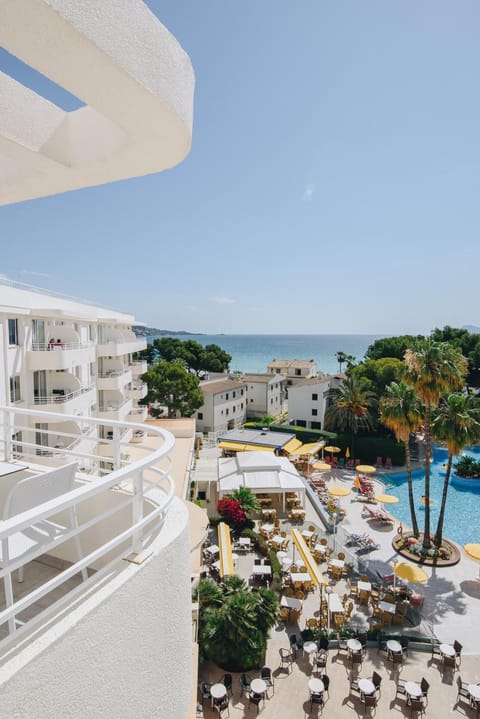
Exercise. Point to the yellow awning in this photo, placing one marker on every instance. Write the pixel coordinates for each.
(225, 550)
(292, 446)
(232, 446)
(257, 448)
(310, 448)
(308, 560)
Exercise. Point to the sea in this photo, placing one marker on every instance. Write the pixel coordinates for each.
(253, 353)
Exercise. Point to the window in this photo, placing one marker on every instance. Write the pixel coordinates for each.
(314, 397)
(234, 394)
(241, 406)
(314, 412)
(277, 371)
(226, 411)
(15, 389)
(301, 423)
(226, 396)
(241, 393)
(13, 332)
(316, 425)
(298, 372)
(200, 415)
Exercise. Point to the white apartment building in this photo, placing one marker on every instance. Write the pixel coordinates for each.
(225, 405)
(265, 394)
(308, 400)
(294, 370)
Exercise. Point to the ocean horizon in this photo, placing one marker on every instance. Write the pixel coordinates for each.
(252, 353)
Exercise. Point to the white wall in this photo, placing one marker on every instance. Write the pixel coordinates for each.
(129, 657)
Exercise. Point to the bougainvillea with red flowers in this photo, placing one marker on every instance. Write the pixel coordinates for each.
(232, 512)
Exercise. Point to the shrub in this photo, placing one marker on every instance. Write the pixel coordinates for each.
(232, 512)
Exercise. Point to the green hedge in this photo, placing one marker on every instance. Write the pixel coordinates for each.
(304, 434)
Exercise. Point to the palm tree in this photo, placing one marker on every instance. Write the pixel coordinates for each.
(349, 408)
(247, 499)
(455, 423)
(401, 411)
(341, 359)
(433, 369)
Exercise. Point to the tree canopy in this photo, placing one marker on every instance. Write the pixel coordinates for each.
(195, 357)
(171, 385)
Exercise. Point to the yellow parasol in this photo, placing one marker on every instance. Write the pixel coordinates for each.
(331, 448)
(321, 466)
(387, 498)
(347, 453)
(338, 491)
(365, 469)
(306, 555)
(410, 572)
(473, 550)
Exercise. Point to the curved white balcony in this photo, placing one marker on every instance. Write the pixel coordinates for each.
(138, 367)
(137, 391)
(114, 379)
(116, 347)
(132, 535)
(61, 356)
(115, 409)
(63, 401)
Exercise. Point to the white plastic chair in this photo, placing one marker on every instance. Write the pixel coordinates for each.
(28, 494)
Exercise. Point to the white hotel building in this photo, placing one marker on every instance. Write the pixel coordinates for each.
(96, 542)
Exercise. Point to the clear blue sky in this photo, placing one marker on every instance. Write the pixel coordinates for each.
(332, 184)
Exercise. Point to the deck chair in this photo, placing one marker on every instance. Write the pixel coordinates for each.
(388, 463)
(39, 538)
(379, 463)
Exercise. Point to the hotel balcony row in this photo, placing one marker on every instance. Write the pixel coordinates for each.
(64, 354)
(100, 594)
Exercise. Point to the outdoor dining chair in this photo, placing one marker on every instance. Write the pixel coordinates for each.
(266, 675)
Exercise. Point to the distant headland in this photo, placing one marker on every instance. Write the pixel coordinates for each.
(141, 331)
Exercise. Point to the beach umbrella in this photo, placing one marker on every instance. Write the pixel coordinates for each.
(332, 449)
(365, 469)
(337, 490)
(410, 572)
(387, 498)
(473, 550)
(347, 453)
(321, 466)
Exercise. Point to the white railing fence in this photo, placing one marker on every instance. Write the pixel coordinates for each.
(118, 512)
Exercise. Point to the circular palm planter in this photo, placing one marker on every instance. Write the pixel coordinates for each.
(405, 545)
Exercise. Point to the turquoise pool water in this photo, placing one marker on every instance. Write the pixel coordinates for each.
(462, 515)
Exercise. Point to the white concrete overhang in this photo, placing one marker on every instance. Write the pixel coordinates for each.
(135, 79)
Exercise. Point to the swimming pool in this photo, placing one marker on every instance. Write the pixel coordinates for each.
(462, 514)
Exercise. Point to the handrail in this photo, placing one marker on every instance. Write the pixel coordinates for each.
(54, 346)
(113, 406)
(60, 398)
(113, 373)
(126, 488)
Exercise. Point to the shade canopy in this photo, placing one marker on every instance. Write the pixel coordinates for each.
(310, 448)
(237, 447)
(225, 550)
(260, 472)
(292, 446)
(365, 469)
(331, 448)
(410, 572)
(308, 560)
(387, 498)
(473, 550)
(338, 491)
(321, 466)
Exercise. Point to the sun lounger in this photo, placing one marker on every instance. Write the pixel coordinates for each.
(367, 544)
(378, 514)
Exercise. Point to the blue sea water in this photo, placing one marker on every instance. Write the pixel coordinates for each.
(461, 523)
(252, 353)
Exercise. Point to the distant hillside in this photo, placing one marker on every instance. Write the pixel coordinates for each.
(473, 329)
(148, 331)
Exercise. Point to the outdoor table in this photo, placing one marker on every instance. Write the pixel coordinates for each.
(291, 603)
(387, 607)
(286, 563)
(413, 689)
(268, 528)
(366, 686)
(300, 577)
(316, 686)
(474, 691)
(218, 691)
(9, 468)
(394, 646)
(354, 645)
(447, 650)
(298, 512)
(269, 512)
(335, 603)
(212, 549)
(322, 548)
(310, 647)
(262, 569)
(307, 534)
(278, 539)
(339, 563)
(244, 542)
(258, 686)
(366, 586)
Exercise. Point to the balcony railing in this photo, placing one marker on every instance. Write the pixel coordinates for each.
(61, 396)
(113, 406)
(119, 514)
(113, 373)
(49, 346)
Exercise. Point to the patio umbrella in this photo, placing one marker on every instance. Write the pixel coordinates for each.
(473, 550)
(321, 466)
(410, 572)
(365, 469)
(347, 453)
(387, 498)
(338, 491)
(332, 449)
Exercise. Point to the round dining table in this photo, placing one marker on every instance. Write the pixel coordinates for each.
(366, 686)
(258, 686)
(413, 689)
(316, 685)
